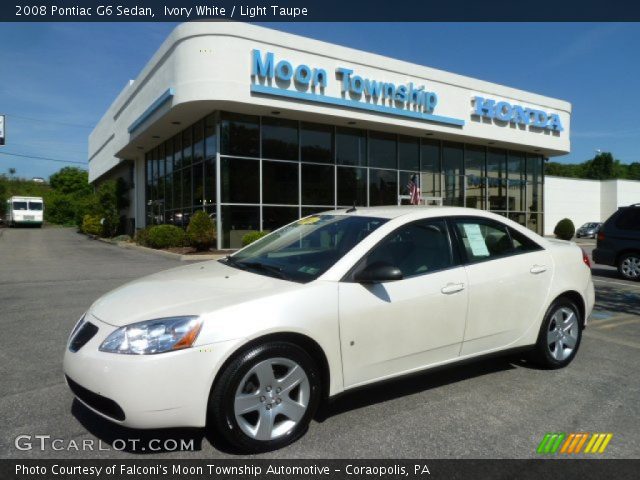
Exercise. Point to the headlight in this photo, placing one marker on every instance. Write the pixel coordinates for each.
(154, 336)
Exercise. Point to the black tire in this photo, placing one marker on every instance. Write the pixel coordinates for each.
(221, 401)
(542, 354)
(628, 273)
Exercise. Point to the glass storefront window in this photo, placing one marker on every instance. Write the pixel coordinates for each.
(496, 179)
(187, 147)
(317, 185)
(352, 186)
(210, 138)
(452, 158)
(280, 182)
(453, 190)
(198, 185)
(351, 146)
(177, 189)
(279, 139)
(316, 143)
(177, 151)
(474, 165)
(198, 142)
(516, 181)
(210, 181)
(240, 180)
(240, 135)
(276, 217)
(408, 153)
(237, 221)
(382, 150)
(405, 178)
(187, 188)
(168, 149)
(383, 187)
(430, 167)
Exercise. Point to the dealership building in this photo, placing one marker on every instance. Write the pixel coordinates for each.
(259, 127)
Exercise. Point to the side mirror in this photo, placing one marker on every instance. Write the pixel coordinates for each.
(379, 272)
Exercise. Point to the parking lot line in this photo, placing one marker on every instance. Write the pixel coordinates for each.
(619, 341)
(609, 325)
(616, 283)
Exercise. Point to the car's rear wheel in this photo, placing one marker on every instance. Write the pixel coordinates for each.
(560, 335)
(629, 266)
(266, 397)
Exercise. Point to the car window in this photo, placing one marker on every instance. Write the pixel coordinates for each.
(522, 243)
(629, 219)
(416, 248)
(19, 205)
(484, 239)
(35, 206)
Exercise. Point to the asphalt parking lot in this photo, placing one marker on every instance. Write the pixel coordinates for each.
(495, 408)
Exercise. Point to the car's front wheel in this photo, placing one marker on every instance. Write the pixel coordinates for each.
(266, 397)
(629, 266)
(560, 335)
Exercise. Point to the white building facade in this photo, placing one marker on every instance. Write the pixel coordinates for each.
(259, 127)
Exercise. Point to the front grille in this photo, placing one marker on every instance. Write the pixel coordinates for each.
(82, 336)
(102, 404)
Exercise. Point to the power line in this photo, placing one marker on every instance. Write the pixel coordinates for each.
(43, 158)
(75, 125)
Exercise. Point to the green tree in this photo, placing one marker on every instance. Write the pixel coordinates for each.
(71, 180)
(633, 171)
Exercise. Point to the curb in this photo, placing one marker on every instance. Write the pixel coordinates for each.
(162, 253)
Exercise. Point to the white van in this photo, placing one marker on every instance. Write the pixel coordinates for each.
(24, 211)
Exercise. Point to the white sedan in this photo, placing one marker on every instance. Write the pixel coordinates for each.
(250, 345)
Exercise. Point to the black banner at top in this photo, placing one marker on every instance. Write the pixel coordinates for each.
(317, 11)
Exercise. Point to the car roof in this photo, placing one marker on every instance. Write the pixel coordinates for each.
(392, 211)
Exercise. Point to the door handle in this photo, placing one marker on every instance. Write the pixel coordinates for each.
(538, 269)
(450, 288)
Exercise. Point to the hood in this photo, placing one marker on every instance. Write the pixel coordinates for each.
(191, 290)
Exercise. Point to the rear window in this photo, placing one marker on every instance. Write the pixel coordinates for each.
(19, 205)
(629, 219)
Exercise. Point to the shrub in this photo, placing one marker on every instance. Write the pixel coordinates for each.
(251, 237)
(91, 224)
(564, 229)
(201, 231)
(165, 236)
(141, 237)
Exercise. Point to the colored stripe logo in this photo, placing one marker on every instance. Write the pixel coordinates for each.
(573, 443)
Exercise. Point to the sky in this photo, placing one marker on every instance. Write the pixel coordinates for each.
(57, 79)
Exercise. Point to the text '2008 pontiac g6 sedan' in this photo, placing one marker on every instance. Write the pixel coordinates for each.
(250, 345)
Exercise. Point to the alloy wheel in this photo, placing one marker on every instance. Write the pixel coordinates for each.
(562, 335)
(630, 266)
(272, 398)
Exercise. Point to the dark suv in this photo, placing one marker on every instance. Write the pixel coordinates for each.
(619, 242)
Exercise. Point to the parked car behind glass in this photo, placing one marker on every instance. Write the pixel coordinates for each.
(619, 242)
(588, 230)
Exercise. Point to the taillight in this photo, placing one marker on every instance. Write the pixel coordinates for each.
(600, 236)
(585, 258)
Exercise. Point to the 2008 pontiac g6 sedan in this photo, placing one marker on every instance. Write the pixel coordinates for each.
(250, 345)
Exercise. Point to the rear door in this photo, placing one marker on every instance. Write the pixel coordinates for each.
(395, 327)
(509, 278)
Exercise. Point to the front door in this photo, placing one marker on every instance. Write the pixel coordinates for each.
(397, 327)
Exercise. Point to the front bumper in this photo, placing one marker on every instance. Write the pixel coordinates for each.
(151, 391)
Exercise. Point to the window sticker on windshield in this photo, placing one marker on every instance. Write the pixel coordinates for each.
(308, 270)
(309, 220)
(476, 240)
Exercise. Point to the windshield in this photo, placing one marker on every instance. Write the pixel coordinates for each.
(304, 250)
(35, 205)
(19, 205)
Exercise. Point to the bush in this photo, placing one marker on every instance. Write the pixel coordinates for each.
(564, 229)
(91, 224)
(141, 237)
(201, 231)
(165, 236)
(251, 237)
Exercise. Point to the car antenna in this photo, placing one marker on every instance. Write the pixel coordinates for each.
(352, 209)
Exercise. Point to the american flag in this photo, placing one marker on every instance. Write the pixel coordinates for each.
(414, 190)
